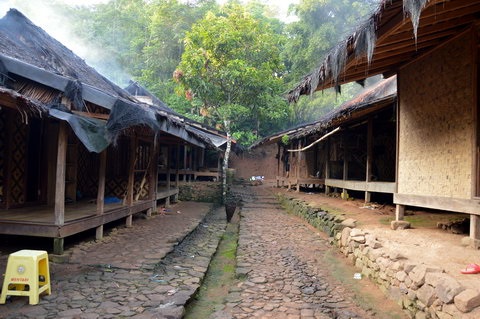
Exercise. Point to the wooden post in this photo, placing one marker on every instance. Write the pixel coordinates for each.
(475, 230)
(184, 163)
(60, 185)
(399, 212)
(101, 191)
(131, 178)
(60, 175)
(299, 161)
(368, 177)
(153, 174)
(278, 165)
(177, 177)
(345, 165)
(327, 167)
(169, 161)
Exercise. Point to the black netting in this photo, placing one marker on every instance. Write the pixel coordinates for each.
(124, 115)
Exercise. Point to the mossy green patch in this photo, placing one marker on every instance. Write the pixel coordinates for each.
(219, 278)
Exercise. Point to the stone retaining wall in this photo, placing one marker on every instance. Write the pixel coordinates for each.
(210, 192)
(423, 291)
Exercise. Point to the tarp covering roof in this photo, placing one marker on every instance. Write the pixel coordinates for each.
(397, 32)
(210, 135)
(380, 94)
(91, 132)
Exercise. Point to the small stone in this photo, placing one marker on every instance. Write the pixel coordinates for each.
(349, 222)
(399, 224)
(308, 290)
(426, 294)
(259, 280)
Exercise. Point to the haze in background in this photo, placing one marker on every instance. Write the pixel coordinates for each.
(43, 13)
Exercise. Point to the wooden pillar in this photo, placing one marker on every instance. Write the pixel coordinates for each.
(327, 166)
(345, 166)
(299, 162)
(169, 183)
(475, 230)
(399, 212)
(177, 174)
(101, 191)
(153, 177)
(368, 177)
(184, 163)
(131, 178)
(193, 166)
(59, 207)
(278, 165)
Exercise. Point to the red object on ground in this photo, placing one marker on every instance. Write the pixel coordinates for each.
(471, 269)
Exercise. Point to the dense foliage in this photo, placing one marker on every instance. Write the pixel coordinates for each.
(218, 64)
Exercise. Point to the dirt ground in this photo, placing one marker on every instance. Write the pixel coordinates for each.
(424, 243)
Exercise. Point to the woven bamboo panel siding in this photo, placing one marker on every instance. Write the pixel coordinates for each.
(436, 122)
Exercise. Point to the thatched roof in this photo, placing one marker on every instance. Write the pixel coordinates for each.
(139, 91)
(51, 70)
(207, 134)
(397, 32)
(377, 97)
(370, 100)
(23, 41)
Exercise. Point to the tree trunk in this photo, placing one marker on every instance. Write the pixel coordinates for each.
(225, 164)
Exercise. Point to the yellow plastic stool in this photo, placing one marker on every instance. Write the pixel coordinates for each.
(27, 274)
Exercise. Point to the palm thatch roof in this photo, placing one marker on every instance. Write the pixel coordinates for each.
(23, 41)
(372, 99)
(397, 32)
(209, 135)
(42, 71)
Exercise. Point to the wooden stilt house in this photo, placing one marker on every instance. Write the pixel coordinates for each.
(352, 148)
(189, 162)
(76, 151)
(432, 47)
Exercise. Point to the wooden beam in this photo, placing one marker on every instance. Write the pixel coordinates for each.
(369, 163)
(153, 177)
(101, 191)
(461, 205)
(131, 178)
(374, 187)
(60, 174)
(92, 115)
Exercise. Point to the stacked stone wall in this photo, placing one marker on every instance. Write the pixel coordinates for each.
(423, 291)
(210, 192)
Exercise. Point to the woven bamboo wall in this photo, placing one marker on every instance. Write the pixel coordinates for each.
(436, 122)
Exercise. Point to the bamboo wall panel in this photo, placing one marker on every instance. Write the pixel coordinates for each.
(3, 150)
(18, 161)
(436, 123)
(87, 172)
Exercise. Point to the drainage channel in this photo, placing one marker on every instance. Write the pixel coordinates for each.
(220, 277)
(181, 272)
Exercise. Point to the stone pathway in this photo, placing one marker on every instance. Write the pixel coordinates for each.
(281, 261)
(148, 271)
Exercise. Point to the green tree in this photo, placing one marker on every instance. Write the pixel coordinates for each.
(231, 65)
(168, 24)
